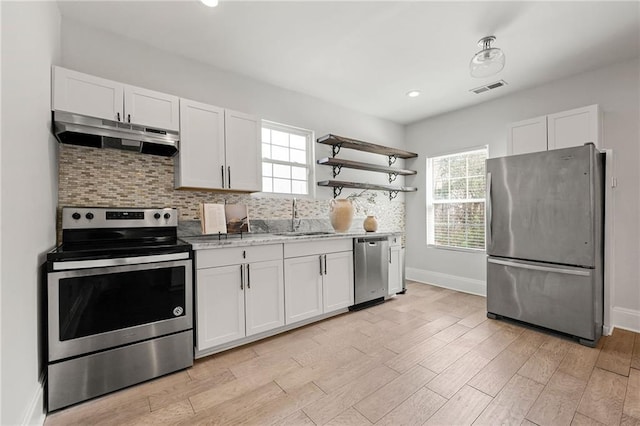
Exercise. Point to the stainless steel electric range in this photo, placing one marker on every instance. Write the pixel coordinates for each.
(119, 302)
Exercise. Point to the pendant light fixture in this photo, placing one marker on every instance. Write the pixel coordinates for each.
(488, 61)
(210, 3)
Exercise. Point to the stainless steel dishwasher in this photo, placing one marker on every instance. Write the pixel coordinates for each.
(371, 270)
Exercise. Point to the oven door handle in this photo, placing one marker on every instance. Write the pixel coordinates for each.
(134, 260)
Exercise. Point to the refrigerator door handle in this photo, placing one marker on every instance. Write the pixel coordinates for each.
(558, 270)
(488, 211)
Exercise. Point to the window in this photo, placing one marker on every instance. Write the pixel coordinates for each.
(287, 159)
(455, 200)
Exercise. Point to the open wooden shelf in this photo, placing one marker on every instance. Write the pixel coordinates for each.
(339, 163)
(338, 185)
(341, 142)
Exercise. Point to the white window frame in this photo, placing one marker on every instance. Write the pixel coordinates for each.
(430, 202)
(310, 154)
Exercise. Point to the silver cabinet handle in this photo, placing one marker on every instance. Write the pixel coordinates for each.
(118, 116)
(325, 264)
(248, 277)
(320, 258)
(488, 211)
(522, 265)
(128, 118)
(229, 176)
(222, 172)
(389, 254)
(241, 277)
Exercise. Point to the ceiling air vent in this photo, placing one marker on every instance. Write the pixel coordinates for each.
(488, 87)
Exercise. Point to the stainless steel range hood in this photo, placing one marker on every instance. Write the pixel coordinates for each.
(77, 129)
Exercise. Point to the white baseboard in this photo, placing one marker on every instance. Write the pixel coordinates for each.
(453, 282)
(35, 414)
(628, 319)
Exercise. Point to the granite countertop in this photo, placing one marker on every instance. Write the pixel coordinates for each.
(254, 239)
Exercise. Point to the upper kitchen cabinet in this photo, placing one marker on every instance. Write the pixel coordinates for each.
(561, 130)
(574, 127)
(97, 97)
(219, 149)
(527, 136)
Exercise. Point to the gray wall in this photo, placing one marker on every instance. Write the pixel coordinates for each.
(30, 43)
(616, 90)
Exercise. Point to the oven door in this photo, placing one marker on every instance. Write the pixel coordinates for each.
(98, 308)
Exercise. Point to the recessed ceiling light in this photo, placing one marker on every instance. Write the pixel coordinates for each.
(210, 3)
(413, 93)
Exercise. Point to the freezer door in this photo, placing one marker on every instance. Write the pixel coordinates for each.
(560, 298)
(541, 206)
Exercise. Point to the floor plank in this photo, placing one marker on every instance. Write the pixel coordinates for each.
(462, 409)
(558, 401)
(616, 353)
(603, 398)
(632, 400)
(415, 410)
(511, 405)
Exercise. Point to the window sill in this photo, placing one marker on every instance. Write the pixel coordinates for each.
(459, 249)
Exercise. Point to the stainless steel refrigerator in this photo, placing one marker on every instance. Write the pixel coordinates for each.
(545, 233)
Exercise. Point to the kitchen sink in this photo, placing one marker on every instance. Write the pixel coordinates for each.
(302, 233)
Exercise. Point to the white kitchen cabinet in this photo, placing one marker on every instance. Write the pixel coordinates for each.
(239, 293)
(242, 151)
(303, 288)
(219, 149)
(396, 265)
(264, 296)
(219, 306)
(561, 130)
(318, 278)
(527, 136)
(337, 281)
(97, 97)
(574, 128)
(200, 161)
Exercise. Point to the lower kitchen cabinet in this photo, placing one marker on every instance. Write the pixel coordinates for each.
(303, 292)
(264, 296)
(337, 282)
(318, 278)
(396, 269)
(238, 300)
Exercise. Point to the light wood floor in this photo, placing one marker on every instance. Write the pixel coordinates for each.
(428, 357)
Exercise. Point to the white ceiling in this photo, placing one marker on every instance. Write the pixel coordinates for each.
(365, 55)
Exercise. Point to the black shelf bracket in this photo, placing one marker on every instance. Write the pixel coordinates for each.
(392, 195)
(337, 190)
(337, 169)
(392, 176)
(392, 159)
(335, 149)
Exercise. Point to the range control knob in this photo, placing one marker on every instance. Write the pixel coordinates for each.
(89, 215)
(167, 215)
(76, 216)
(156, 215)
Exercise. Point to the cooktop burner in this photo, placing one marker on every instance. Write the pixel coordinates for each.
(102, 233)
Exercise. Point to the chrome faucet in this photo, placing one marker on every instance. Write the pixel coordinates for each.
(294, 215)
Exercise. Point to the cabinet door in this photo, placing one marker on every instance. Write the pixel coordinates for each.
(302, 288)
(149, 108)
(200, 161)
(527, 136)
(395, 269)
(264, 296)
(219, 305)
(338, 281)
(85, 94)
(242, 149)
(575, 127)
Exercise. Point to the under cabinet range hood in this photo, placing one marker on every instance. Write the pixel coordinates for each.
(77, 129)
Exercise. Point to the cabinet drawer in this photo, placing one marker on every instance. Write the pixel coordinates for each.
(306, 248)
(209, 258)
(395, 241)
